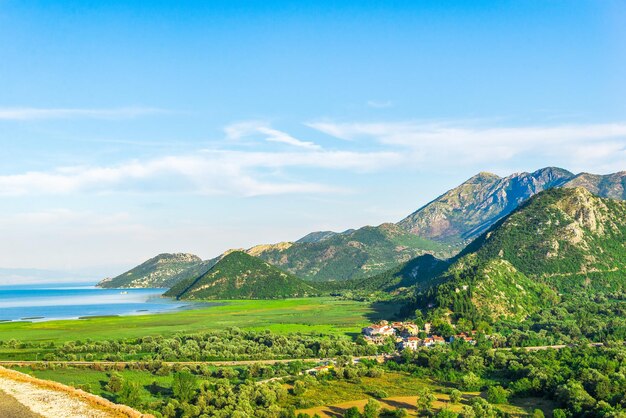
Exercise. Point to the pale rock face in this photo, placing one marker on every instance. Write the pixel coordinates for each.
(468, 210)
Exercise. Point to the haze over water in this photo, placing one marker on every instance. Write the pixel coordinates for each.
(66, 301)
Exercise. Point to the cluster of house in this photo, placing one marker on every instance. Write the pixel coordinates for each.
(406, 335)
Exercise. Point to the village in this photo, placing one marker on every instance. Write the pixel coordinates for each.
(408, 336)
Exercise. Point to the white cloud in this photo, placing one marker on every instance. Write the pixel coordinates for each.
(32, 113)
(588, 146)
(241, 130)
(206, 172)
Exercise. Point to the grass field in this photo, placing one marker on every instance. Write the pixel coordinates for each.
(334, 397)
(311, 315)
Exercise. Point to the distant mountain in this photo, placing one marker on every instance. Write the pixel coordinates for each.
(241, 276)
(562, 240)
(352, 254)
(316, 236)
(610, 185)
(463, 213)
(161, 271)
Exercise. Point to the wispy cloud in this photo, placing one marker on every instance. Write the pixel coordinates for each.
(32, 113)
(380, 104)
(599, 146)
(246, 129)
(207, 172)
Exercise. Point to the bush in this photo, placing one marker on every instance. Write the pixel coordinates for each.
(379, 394)
(497, 395)
(455, 396)
(115, 383)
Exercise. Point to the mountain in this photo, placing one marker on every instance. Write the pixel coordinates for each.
(463, 213)
(241, 276)
(610, 185)
(417, 272)
(562, 240)
(316, 236)
(352, 254)
(161, 271)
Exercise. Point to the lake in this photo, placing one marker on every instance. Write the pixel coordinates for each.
(47, 302)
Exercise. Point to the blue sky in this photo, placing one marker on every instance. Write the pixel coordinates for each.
(133, 128)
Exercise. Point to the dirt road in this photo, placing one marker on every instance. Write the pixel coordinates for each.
(11, 408)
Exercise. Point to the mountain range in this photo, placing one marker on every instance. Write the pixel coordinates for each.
(391, 256)
(463, 213)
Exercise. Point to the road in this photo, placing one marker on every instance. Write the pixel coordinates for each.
(242, 362)
(184, 363)
(11, 408)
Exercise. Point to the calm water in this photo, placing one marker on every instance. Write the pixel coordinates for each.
(46, 302)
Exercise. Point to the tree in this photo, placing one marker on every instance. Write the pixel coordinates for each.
(130, 394)
(425, 399)
(538, 413)
(497, 395)
(575, 397)
(372, 409)
(446, 413)
(115, 383)
(352, 413)
(298, 388)
(482, 408)
(559, 413)
(471, 382)
(184, 386)
(455, 396)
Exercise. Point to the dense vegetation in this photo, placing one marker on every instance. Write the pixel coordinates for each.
(353, 254)
(562, 240)
(231, 344)
(242, 276)
(576, 381)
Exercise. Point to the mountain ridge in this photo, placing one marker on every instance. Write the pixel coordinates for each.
(239, 275)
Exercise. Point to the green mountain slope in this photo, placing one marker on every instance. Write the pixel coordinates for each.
(563, 240)
(353, 254)
(418, 271)
(161, 271)
(241, 276)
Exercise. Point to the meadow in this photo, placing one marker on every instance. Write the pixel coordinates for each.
(310, 315)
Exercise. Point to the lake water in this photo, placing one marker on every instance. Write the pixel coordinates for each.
(47, 302)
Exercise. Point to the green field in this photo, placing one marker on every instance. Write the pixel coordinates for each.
(320, 397)
(312, 315)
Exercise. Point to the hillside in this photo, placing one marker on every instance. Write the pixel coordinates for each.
(241, 276)
(351, 254)
(418, 271)
(562, 239)
(161, 271)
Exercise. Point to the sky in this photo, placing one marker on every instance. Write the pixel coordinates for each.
(130, 128)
